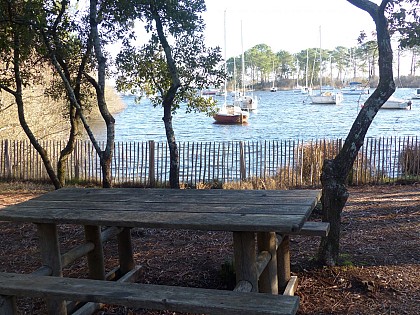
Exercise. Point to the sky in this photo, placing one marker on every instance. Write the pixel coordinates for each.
(284, 25)
(291, 25)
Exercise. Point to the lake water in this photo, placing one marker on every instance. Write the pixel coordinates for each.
(281, 115)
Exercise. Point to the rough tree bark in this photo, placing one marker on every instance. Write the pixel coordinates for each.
(18, 94)
(336, 171)
(168, 99)
(106, 154)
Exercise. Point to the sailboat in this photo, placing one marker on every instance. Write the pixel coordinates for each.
(273, 88)
(354, 87)
(298, 87)
(246, 101)
(229, 113)
(306, 89)
(327, 97)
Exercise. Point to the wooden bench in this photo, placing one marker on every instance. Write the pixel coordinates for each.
(262, 263)
(134, 295)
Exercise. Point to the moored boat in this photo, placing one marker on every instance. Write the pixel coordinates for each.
(231, 114)
(416, 94)
(246, 101)
(327, 98)
(355, 88)
(396, 103)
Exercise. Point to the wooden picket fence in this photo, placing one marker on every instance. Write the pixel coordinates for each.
(291, 163)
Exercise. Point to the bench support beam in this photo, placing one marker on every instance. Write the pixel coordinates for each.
(245, 258)
(51, 257)
(268, 280)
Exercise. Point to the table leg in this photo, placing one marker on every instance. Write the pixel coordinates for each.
(96, 256)
(51, 257)
(8, 304)
(283, 262)
(268, 282)
(125, 251)
(245, 258)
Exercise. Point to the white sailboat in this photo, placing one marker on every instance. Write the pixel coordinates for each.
(274, 88)
(416, 94)
(396, 103)
(298, 88)
(328, 97)
(229, 113)
(246, 101)
(306, 89)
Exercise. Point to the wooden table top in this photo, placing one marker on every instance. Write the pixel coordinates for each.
(283, 211)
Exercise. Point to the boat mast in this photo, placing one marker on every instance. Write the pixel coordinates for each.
(243, 63)
(234, 76)
(224, 38)
(320, 62)
(306, 70)
(274, 74)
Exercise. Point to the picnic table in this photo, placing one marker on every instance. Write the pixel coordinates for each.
(255, 217)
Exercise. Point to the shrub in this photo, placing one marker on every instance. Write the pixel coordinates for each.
(409, 160)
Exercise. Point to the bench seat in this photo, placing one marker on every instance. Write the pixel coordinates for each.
(315, 228)
(135, 295)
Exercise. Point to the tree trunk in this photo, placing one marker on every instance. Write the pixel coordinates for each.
(336, 171)
(167, 104)
(106, 155)
(21, 113)
(334, 198)
(173, 147)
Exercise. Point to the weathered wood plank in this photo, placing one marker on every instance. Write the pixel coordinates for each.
(291, 286)
(314, 228)
(196, 207)
(183, 195)
(196, 221)
(149, 296)
(233, 210)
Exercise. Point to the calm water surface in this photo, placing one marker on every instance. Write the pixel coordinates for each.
(281, 115)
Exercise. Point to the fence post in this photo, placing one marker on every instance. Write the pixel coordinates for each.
(242, 161)
(7, 164)
(152, 163)
(76, 156)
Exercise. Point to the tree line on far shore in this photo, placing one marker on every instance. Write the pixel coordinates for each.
(338, 66)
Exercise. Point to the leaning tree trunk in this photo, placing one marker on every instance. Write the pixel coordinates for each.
(173, 147)
(336, 171)
(106, 154)
(167, 103)
(21, 113)
(68, 149)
